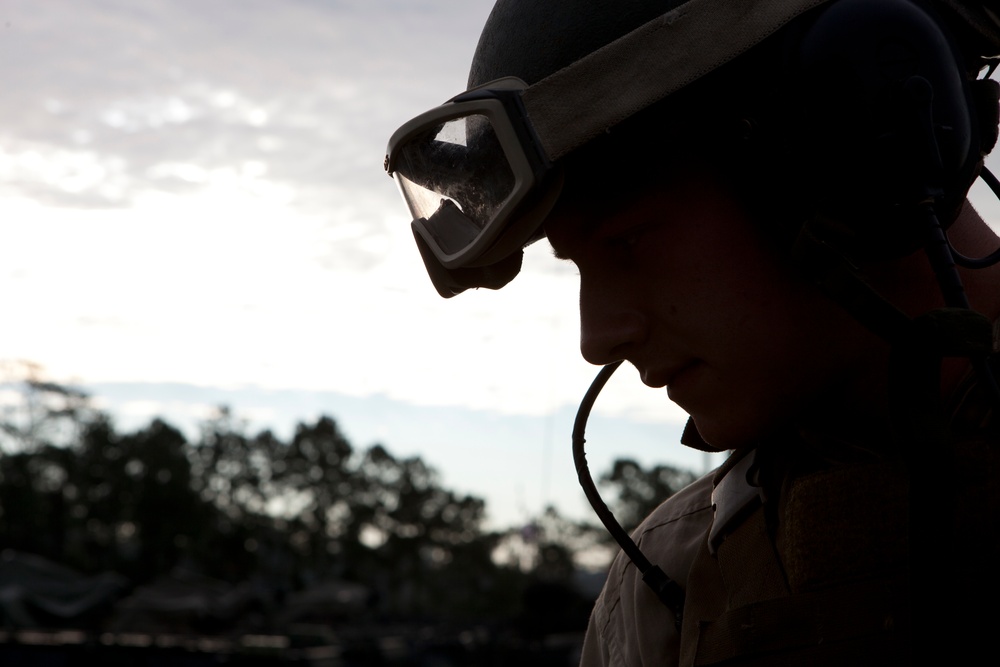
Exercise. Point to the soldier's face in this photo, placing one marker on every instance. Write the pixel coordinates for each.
(679, 282)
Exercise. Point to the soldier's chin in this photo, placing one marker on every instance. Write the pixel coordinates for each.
(726, 432)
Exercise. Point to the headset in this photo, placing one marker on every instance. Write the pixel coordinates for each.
(888, 133)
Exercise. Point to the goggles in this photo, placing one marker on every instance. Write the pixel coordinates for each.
(480, 172)
(471, 175)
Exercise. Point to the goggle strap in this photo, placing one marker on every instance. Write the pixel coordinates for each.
(577, 103)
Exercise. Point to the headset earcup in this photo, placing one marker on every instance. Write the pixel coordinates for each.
(884, 114)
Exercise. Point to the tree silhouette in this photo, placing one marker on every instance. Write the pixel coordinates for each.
(636, 492)
(294, 515)
(48, 413)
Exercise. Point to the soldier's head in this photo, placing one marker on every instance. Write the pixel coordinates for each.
(674, 151)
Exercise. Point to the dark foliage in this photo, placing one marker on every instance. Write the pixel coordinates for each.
(636, 492)
(287, 521)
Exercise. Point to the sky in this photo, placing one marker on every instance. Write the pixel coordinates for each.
(193, 212)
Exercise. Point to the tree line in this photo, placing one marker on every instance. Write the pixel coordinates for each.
(291, 512)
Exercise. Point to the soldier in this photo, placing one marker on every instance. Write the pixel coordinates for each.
(766, 202)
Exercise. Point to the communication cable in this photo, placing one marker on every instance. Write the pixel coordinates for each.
(665, 588)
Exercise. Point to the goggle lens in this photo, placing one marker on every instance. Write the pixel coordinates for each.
(460, 161)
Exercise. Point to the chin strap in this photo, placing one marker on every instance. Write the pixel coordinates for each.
(955, 331)
(817, 256)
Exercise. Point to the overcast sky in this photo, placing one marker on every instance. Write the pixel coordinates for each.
(193, 211)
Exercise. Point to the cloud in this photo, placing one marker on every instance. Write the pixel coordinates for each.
(107, 103)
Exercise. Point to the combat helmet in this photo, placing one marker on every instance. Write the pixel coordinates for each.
(481, 172)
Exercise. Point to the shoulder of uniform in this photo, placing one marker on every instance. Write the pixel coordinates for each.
(693, 499)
